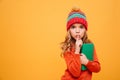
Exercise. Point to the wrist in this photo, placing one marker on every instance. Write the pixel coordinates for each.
(77, 51)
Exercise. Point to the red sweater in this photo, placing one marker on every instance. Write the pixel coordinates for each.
(74, 72)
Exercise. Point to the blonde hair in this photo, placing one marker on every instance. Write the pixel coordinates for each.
(66, 45)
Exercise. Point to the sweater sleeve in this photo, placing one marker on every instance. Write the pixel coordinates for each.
(73, 63)
(94, 66)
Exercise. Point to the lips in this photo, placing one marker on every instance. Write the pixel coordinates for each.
(77, 36)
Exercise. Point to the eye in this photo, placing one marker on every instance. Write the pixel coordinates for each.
(73, 27)
(81, 26)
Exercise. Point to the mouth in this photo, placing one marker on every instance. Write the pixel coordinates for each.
(77, 36)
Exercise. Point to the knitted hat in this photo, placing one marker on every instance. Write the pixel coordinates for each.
(76, 16)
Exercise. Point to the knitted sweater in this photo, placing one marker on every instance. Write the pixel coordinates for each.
(74, 72)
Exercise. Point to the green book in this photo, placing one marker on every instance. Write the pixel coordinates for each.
(88, 50)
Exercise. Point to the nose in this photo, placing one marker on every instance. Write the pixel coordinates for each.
(77, 30)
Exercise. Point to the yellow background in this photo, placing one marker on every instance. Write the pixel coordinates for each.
(31, 30)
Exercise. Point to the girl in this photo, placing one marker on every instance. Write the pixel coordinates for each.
(76, 36)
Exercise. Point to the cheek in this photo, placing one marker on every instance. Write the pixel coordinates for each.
(82, 33)
(72, 33)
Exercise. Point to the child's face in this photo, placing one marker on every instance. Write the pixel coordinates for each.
(77, 31)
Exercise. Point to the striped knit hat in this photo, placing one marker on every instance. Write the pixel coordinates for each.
(76, 16)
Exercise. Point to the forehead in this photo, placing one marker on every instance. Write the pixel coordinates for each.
(77, 24)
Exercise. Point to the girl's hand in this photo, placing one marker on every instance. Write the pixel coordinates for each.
(83, 59)
(78, 45)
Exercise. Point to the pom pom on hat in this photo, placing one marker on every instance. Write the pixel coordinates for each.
(76, 16)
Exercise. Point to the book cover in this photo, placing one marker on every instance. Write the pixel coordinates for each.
(88, 50)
